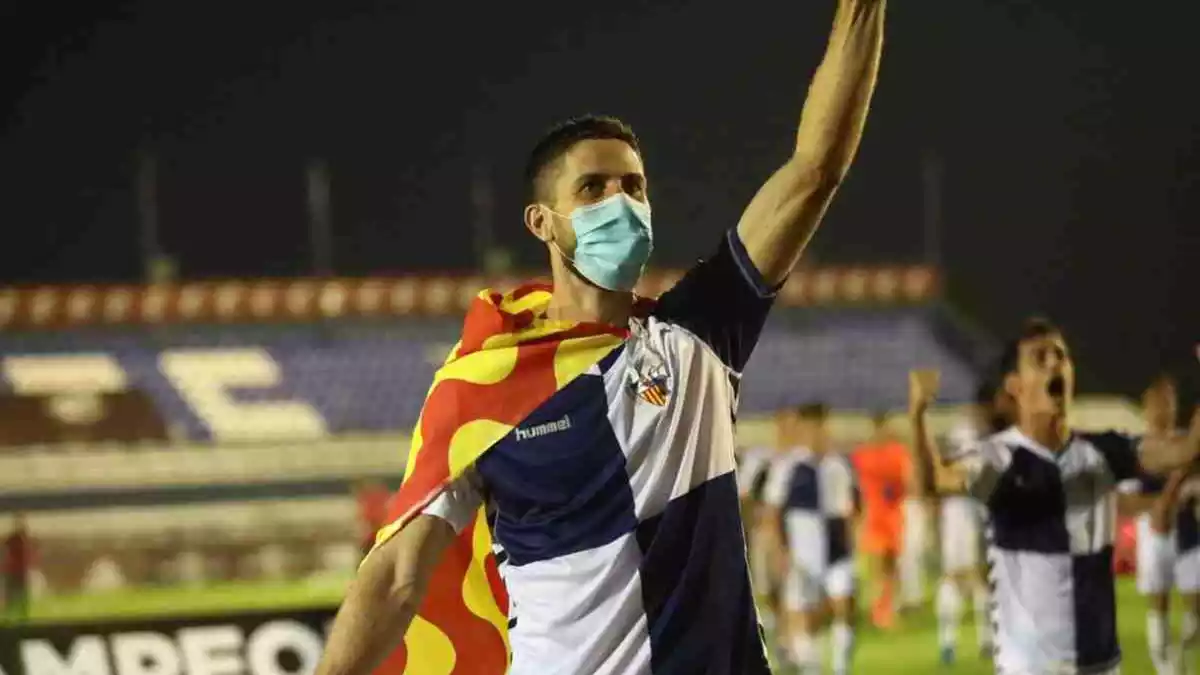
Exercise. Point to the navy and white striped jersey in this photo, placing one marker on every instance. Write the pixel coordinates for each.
(816, 495)
(616, 502)
(1052, 520)
(752, 470)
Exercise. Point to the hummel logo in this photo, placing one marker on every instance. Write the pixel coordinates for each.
(544, 429)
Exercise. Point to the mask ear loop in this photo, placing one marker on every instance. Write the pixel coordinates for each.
(570, 260)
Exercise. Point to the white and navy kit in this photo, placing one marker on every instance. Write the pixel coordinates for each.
(616, 503)
(960, 515)
(816, 497)
(1051, 525)
(1169, 560)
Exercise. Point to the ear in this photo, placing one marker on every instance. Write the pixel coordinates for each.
(1012, 385)
(537, 221)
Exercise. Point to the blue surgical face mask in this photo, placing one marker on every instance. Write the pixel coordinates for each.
(613, 241)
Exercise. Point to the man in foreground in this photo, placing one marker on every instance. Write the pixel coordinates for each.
(599, 432)
(1050, 497)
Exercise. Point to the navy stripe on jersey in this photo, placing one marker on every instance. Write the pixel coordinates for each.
(723, 300)
(804, 490)
(558, 481)
(1027, 506)
(698, 543)
(1095, 640)
(1120, 455)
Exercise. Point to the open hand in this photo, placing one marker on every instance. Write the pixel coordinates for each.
(922, 388)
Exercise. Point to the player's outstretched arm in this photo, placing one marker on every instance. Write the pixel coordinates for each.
(785, 213)
(384, 598)
(1160, 455)
(922, 387)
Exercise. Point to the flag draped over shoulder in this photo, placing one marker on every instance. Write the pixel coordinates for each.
(508, 362)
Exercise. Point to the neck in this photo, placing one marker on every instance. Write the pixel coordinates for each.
(575, 299)
(1049, 430)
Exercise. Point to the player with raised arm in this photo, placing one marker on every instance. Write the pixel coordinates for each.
(1050, 497)
(959, 515)
(1167, 555)
(1176, 517)
(810, 495)
(598, 430)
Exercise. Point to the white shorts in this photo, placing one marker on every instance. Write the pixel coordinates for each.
(804, 590)
(960, 534)
(1187, 572)
(1160, 567)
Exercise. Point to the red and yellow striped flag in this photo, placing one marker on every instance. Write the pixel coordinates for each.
(507, 363)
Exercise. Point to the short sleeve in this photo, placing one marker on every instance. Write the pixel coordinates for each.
(723, 300)
(459, 503)
(983, 464)
(779, 479)
(1120, 452)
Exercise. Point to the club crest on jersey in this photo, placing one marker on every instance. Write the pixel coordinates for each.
(652, 385)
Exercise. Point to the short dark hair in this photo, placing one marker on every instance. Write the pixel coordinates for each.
(562, 137)
(1033, 327)
(879, 418)
(816, 411)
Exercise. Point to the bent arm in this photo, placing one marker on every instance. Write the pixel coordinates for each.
(1162, 455)
(785, 213)
(1164, 509)
(384, 597)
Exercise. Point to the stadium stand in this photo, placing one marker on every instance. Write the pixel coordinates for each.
(215, 431)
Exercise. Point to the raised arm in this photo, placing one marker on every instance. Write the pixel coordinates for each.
(785, 213)
(922, 387)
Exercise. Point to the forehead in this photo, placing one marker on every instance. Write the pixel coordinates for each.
(606, 156)
(1038, 343)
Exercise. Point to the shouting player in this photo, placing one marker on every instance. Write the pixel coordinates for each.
(1050, 499)
(959, 515)
(599, 431)
(812, 498)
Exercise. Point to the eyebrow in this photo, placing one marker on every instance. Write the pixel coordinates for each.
(594, 175)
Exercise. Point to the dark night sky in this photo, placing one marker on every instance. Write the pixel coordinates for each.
(1070, 134)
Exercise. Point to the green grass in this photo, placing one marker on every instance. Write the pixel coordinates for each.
(184, 602)
(910, 648)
